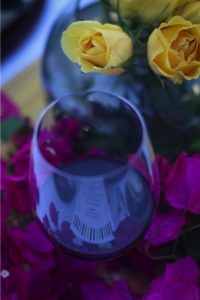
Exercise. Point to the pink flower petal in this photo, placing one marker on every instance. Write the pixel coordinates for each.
(17, 193)
(193, 183)
(8, 107)
(174, 272)
(16, 285)
(33, 237)
(182, 188)
(3, 168)
(164, 168)
(165, 227)
(175, 184)
(21, 160)
(28, 246)
(99, 290)
(180, 281)
(41, 285)
(120, 291)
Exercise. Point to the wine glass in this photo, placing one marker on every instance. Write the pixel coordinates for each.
(93, 174)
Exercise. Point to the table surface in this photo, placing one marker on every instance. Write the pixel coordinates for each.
(26, 90)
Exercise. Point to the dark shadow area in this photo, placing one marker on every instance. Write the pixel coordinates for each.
(18, 19)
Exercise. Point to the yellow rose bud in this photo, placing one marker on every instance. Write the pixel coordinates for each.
(174, 50)
(97, 47)
(190, 11)
(146, 10)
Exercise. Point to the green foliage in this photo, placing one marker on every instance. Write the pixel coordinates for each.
(9, 127)
(194, 146)
(191, 236)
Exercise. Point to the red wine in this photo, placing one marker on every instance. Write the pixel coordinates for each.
(97, 209)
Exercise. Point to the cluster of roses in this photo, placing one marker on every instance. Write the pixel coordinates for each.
(33, 269)
(171, 43)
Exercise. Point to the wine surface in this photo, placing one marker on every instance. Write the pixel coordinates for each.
(101, 210)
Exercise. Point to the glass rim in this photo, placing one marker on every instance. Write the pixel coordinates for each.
(68, 175)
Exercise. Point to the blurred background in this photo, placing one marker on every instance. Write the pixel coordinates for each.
(35, 71)
(26, 29)
(25, 25)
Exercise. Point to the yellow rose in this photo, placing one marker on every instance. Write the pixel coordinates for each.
(146, 10)
(174, 50)
(96, 47)
(190, 10)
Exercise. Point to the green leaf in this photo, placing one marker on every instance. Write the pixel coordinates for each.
(9, 127)
(195, 146)
(163, 252)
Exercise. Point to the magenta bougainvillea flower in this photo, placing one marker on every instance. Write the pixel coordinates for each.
(15, 283)
(27, 246)
(182, 188)
(21, 159)
(179, 281)
(8, 108)
(17, 193)
(99, 290)
(34, 269)
(164, 169)
(26, 253)
(165, 227)
(15, 184)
